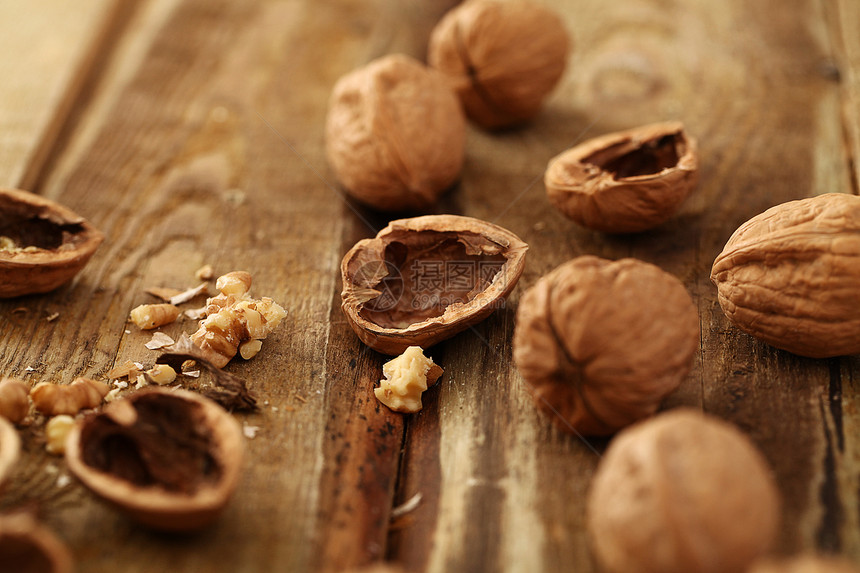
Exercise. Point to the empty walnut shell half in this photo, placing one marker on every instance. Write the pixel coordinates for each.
(601, 343)
(43, 245)
(791, 276)
(625, 182)
(170, 459)
(423, 280)
(395, 134)
(503, 58)
(10, 447)
(29, 547)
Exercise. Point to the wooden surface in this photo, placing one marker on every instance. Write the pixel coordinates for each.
(190, 132)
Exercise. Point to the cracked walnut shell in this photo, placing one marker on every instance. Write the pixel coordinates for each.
(26, 546)
(395, 134)
(502, 58)
(625, 182)
(423, 280)
(601, 343)
(168, 458)
(682, 492)
(791, 276)
(43, 245)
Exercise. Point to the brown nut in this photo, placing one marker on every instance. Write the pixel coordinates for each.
(805, 564)
(14, 400)
(395, 134)
(29, 547)
(682, 492)
(625, 182)
(423, 280)
(601, 343)
(55, 399)
(503, 58)
(43, 245)
(10, 447)
(168, 458)
(791, 276)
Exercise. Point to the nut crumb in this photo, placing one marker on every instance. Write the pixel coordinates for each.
(406, 378)
(205, 273)
(161, 374)
(188, 295)
(52, 317)
(250, 348)
(250, 431)
(56, 431)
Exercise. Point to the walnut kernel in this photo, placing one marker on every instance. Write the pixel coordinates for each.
(149, 316)
(406, 378)
(55, 399)
(161, 374)
(56, 431)
(10, 447)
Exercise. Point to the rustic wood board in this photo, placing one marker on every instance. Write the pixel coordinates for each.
(200, 141)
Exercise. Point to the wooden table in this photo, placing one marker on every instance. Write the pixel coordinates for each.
(191, 132)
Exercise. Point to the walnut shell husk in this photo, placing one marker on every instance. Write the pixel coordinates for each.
(395, 134)
(601, 343)
(26, 546)
(10, 448)
(502, 58)
(52, 243)
(682, 492)
(805, 564)
(423, 280)
(791, 276)
(625, 182)
(170, 459)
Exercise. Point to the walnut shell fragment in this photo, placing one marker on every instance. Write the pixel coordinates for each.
(423, 280)
(10, 448)
(43, 244)
(503, 58)
(168, 458)
(26, 546)
(625, 182)
(395, 134)
(682, 492)
(791, 276)
(601, 343)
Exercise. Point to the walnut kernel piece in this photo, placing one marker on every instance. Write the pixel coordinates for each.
(14, 400)
(170, 459)
(250, 348)
(149, 316)
(10, 447)
(55, 399)
(601, 343)
(406, 378)
(160, 374)
(395, 134)
(502, 58)
(56, 431)
(625, 182)
(52, 244)
(423, 280)
(805, 564)
(791, 276)
(27, 546)
(682, 492)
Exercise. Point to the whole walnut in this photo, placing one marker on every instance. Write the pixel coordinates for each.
(791, 276)
(601, 343)
(682, 492)
(805, 564)
(503, 58)
(395, 134)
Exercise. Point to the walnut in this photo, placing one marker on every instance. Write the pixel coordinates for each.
(625, 182)
(682, 492)
(791, 276)
(601, 343)
(14, 400)
(26, 546)
(56, 431)
(502, 58)
(406, 378)
(395, 134)
(45, 244)
(55, 399)
(168, 458)
(423, 280)
(149, 316)
(805, 564)
(10, 447)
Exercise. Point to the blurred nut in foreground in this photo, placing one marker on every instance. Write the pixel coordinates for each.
(805, 564)
(395, 134)
(55, 399)
(601, 343)
(14, 400)
(169, 458)
(791, 276)
(682, 492)
(503, 58)
(28, 547)
(43, 245)
(10, 447)
(625, 182)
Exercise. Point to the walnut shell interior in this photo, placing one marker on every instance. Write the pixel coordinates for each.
(169, 458)
(28, 547)
(10, 447)
(43, 244)
(424, 279)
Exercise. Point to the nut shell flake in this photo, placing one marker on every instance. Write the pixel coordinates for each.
(625, 182)
(423, 280)
(791, 276)
(601, 343)
(43, 244)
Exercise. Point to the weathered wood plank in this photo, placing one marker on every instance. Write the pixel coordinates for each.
(844, 16)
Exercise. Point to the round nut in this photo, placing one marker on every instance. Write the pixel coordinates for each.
(395, 134)
(601, 343)
(805, 564)
(503, 58)
(14, 400)
(625, 182)
(168, 458)
(791, 276)
(682, 492)
(43, 245)
(27, 546)
(10, 447)
(423, 280)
